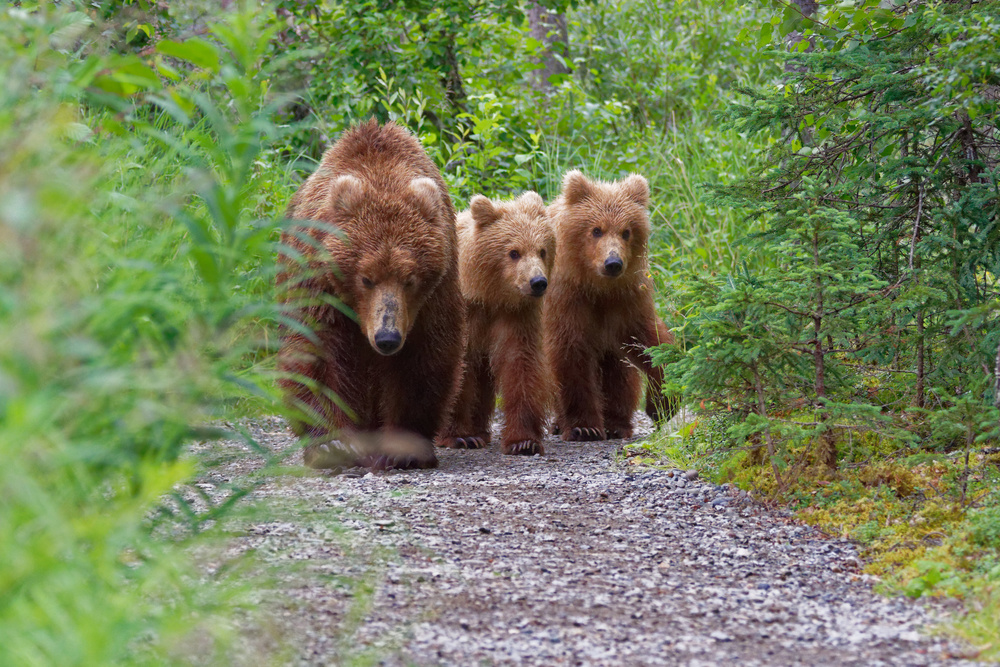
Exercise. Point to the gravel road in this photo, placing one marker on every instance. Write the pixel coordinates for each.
(570, 558)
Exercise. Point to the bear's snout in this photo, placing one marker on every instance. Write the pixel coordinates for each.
(613, 265)
(387, 323)
(388, 341)
(538, 285)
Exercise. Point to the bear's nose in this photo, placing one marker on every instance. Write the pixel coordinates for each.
(388, 341)
(538, 285)
(613, 265)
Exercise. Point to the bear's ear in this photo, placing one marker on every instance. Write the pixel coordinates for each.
(482, 210)
(346, 193)
(637, 189)
(532, 201)
(427, 195)
(576, 187)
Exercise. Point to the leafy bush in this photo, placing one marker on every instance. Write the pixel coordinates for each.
(984, 527)
(132, 273)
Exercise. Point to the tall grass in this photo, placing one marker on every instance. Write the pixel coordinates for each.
(131, 268)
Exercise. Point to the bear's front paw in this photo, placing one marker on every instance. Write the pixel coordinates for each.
(464, 442)
(583, 434)
(619, 432)
(331, 455)
(524, 447)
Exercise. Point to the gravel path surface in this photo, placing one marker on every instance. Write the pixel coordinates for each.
(570, 558)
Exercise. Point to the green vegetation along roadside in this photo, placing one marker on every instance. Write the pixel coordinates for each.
(851, 370)
(149, 150)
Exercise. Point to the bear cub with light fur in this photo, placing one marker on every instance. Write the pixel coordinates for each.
(599, 316)
(506, 254)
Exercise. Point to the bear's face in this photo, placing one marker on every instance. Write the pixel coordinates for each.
(511, 251)
(396, 251)
(604, 227)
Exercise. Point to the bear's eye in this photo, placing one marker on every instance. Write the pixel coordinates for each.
(410, 282)
(367, 282)
(541, 253)
(515, 255)
(626, 234)
(598, 233)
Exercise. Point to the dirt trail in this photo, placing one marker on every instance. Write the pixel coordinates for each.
(570, 558)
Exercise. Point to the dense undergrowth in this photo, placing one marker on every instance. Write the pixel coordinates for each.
(149, 149)
(135, 274)
(852, 370)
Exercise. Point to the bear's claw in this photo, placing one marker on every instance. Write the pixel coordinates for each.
(584, 434)
(619, 433)
(464, 442)
(524, 447)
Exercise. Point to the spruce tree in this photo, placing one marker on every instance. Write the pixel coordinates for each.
(882, 208)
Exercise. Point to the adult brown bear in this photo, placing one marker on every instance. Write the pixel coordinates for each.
(382, 374)
(599, 316)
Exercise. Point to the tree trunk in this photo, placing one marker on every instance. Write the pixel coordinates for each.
(808, 9)
(996, 387)
(920, 358)
(454, 89)
(827, 453)
(762, 411)
(550, 29)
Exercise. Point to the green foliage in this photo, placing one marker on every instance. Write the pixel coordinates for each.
(837, 293)
(762, 341)
(498, 136)
(671, 61)
(863, 328)
(984, 527)
(885, 130)
(132, 271)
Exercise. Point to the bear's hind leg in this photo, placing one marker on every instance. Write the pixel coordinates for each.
(621, 385)
(579, 416)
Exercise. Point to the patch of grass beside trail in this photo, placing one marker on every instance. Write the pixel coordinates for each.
(905, 510)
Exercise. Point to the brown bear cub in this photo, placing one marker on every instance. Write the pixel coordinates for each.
(381, 374)
(599, 316)
(506, 250)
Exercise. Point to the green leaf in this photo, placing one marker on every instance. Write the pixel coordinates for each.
(196, 51)
(764, 38)
(129, 77)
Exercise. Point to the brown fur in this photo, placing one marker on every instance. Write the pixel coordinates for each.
(505, 321)
(597, 327)
(393, 261)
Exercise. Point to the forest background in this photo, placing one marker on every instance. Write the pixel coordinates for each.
(826, 245)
